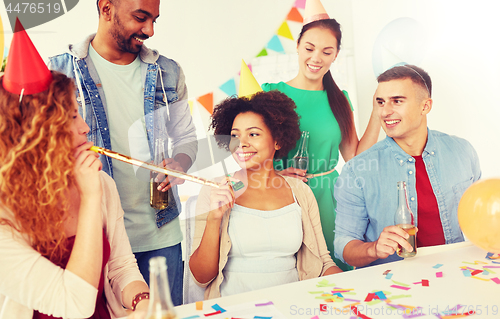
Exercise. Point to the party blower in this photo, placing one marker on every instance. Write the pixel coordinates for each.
(159, 169)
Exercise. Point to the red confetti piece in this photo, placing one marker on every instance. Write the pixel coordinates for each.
(425, 282)
(476, 272)
(370, 297)
(213, 313)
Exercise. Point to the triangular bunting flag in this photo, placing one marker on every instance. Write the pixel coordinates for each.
(294, 15)
(301, 4)
(190, 102)
(229, 88)
(262, 53)
(207, 101)
(275, 44)
(284, 31)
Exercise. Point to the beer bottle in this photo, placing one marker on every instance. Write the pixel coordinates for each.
(158, 199)
(301, 158)
(160, 303)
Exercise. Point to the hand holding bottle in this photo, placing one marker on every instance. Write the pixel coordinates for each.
(389, 240)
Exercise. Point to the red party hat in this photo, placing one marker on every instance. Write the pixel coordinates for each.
(25, 72)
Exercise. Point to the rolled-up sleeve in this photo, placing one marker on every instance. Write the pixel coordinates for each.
(351, 220)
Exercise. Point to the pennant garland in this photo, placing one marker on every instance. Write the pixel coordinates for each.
(207, 101)
(274, 45)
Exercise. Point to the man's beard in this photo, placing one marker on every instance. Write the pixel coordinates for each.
(124, 43)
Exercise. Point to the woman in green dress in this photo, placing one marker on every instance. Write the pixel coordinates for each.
(325, 112)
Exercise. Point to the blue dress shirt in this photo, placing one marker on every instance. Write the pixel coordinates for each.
(366, 190)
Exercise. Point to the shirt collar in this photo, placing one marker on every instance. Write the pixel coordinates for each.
(402, 157)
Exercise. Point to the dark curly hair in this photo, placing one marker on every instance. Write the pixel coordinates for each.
(277, 111)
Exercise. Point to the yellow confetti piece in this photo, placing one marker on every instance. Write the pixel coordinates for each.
(350, 305)
(480, 262)
(199, 305)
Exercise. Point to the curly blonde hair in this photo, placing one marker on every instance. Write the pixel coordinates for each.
(36, 164)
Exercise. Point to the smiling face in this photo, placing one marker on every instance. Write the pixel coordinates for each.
(252, 143)
(402, 110)
(317, 50)
(78, 127)
(133, 22)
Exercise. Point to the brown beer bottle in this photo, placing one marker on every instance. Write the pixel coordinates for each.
(404, 219)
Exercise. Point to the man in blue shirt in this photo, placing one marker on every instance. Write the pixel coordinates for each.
(436, 167)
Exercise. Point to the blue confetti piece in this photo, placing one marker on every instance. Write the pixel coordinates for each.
(466, 273)
(381, 295)
(192, 317)
(437, 266)
(388, 276)
(216, 307)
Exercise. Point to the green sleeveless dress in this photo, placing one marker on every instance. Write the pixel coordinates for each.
(317, 118)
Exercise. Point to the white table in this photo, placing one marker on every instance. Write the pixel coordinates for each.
(295, 300)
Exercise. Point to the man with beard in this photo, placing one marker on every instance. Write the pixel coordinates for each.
(130, 95)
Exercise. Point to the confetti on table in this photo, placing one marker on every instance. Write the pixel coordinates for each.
(216, 307)
(316, 317)
(316, 292)
(437, 266)
(491, 266)
(369, 297)
(191, 317)
(486, 272)
(458, 315)
(496, 280)
(417, 283)
(388, 276)
(386, 272)
(213, 313)
(439, 274)
(425, 282)
(264, 304)
(476, 272)
(380, 295)
(325, 283)
(496, 262)
(334, 290)
(479, 278)
(400, 287)
(400, 283)
(353, 300)
(480, 262)
(359, 314)
(466, 273)
(199, 305)
(259, 317)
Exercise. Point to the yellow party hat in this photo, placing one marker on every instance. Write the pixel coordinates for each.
(314, 11)
(248, 84)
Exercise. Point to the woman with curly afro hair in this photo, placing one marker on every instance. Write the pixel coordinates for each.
(269, 232)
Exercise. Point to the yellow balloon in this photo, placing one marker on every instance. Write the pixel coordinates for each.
(479, 214)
